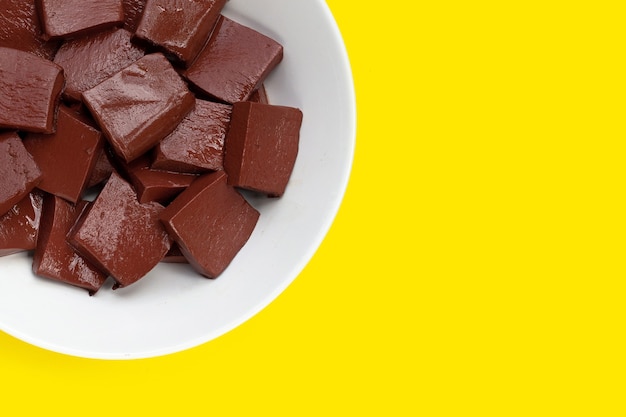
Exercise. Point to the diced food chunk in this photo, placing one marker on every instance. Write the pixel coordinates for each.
(260, 95)
(159, 186)
(121, 236)
(175, 256)
(20, 28)
(262, 146)
(180, 30)
(140, 105)
(210, 222)
(133, 10)
(197, 144)
(88, 61)
(20, 226)
(19, 174)
(30, 88)
(67, 157)
(54, 258)
(235, 62)
(102, 171)
(64, 19)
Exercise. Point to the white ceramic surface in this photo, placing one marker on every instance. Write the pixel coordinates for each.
(173, 308)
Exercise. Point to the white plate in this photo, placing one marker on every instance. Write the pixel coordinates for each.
(173, 308)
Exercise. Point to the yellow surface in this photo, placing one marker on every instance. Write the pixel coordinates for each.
(476, 266)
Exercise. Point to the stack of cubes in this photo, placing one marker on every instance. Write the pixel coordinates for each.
(159, 108)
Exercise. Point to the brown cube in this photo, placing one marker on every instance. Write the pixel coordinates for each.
(120, 235)
(159, 186)
(180, 30)
(133, 10)
(64, 19)
(54, 258)
(259, 95)
(102, 171)
(88, 61)
(175, 256)
(210, 221)
(30, 89)
(140, 105)
(19, 174)
(20, 29)
(67, 157)
(235, 61)
(261, 147)
(20, 226)
(197, 144)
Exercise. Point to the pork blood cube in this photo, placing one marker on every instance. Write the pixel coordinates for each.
(235, 61)
(180, 30)
(261, 147)
(175, 256)
(210, 221)
(140, 105)
(30, 88)
(20, 226)
(67, 157)
(102, 170)
(133, 10)
(197, 144)
(20, 28)
(127, 169)
(64, 19)
(259, 95)
(19, 174)
(89, 60)
(54, 258)
(121, 236)
(159, 186)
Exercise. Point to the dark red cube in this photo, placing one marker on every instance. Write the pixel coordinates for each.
(140, 105)
(19, 227)
(67, 157)
(210, 221)
(262, 146)
(30, 89)
(235, 62)
(19, 174)
(197, 144)
(120, 235)
(54, 258)
(179, 29)
(64, 19)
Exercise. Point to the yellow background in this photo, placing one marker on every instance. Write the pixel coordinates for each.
(476, 266)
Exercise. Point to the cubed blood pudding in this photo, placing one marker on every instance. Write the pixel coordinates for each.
(67, 157)
(20, 29)
(197, 144)
(30, 89)
(262, 146)
(140, 105)
(235, 62)
(180, 30)
(89, 60)
(19, 174)
(259, 95)
(133, 10)
(20, 226)
(120, 235)
(102, 171)
(210, 221)
(64, 19)
(175, 256)
(54, 258)
(159, 186)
